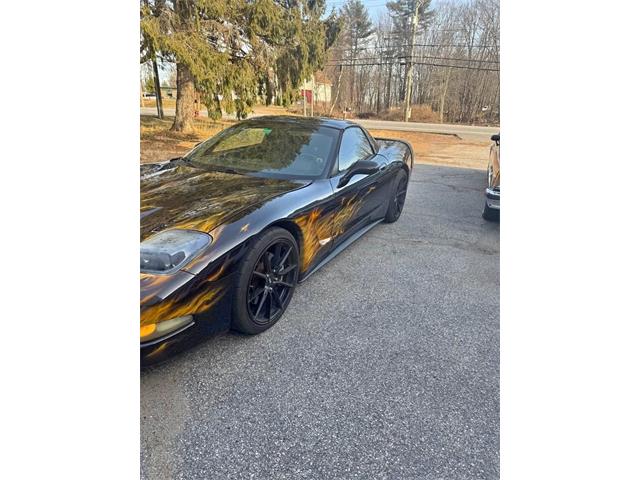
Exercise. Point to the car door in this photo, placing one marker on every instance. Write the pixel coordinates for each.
(361, 200)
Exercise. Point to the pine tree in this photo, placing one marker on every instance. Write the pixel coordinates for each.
(148, 52)
(149, 84)
(225, 49)
(410, 19)
(358, 30)
(401, 12)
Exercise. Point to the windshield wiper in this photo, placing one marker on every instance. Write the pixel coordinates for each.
(215, 168)
(218, 168)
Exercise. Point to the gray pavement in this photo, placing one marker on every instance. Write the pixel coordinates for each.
(467, 132)
(385, 365)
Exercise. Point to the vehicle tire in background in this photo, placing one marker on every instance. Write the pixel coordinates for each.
(266, 281)
(490, 214)
(398, 196)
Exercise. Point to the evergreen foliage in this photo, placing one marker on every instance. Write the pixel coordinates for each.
(357, 25)
(356, 34)
(235, 50)
(148, 84)
(401, 12)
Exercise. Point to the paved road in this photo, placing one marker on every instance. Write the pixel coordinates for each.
(385, 366)
(466, 132)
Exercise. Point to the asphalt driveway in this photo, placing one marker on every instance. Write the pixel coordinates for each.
(385, 366)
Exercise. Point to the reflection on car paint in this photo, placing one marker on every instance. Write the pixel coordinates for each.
(183, 197)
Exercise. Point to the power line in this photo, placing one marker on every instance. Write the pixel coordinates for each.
(366, 2)
(373, 64)
(459, 45)
(343, 3)
(420, 57)
(378, 48)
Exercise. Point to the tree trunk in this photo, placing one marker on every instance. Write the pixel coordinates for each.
(313, 91)
(156, 84)
(185, 103)
(269, 91)
(304, 100)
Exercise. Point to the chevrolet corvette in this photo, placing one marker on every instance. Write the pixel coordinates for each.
(228, 230)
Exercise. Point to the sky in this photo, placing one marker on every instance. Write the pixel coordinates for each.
(374, 7)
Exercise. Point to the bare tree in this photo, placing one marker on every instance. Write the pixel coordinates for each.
(450, 65)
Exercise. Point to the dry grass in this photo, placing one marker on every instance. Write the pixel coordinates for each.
(274, 110)
(166, 102)
(419, 113)
(158, 142)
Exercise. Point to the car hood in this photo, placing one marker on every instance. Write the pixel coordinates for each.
(192, 198)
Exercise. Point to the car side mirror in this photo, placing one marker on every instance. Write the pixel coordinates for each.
(365, 167)
(496, 138)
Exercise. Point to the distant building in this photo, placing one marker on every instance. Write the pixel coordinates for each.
(169, 92)
(318, 88)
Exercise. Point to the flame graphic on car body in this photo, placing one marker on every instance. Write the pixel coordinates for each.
(191, 305)
(317, 228)
(198, 298)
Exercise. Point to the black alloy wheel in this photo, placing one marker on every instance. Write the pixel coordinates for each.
(266, 283)
(396, 203)
(271, 283)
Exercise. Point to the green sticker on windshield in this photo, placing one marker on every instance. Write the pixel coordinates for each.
(266, 131)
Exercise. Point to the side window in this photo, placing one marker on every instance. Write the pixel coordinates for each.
(355, 146)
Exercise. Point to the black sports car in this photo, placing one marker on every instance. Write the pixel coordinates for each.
(228, 230)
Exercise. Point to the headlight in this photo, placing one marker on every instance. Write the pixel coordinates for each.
(170, 250)
(156, 330)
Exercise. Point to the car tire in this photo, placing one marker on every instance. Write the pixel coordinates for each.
(490, 214)
(261, 296)
(398, 196)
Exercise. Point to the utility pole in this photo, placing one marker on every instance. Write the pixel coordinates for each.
(354, 54)
(335, 99)
(379, 79)
(408, 80)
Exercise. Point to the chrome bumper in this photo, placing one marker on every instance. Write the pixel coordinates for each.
(493, 198)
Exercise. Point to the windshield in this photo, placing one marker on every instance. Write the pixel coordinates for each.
(279, 149)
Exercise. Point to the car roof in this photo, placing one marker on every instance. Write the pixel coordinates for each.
(315, 121)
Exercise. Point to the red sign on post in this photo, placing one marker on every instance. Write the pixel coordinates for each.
(307, 93)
